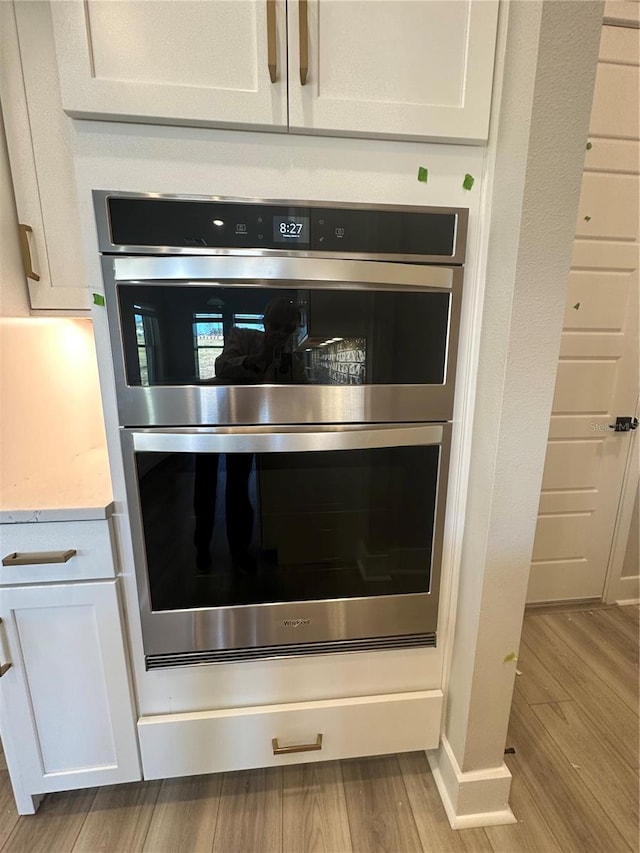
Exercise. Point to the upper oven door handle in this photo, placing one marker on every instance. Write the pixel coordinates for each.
(285, 439)
(282, 272)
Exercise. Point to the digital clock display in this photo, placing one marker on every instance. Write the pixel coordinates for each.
(291, 229)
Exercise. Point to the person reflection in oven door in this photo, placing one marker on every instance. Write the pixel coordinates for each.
(248, 357)
(251, 356)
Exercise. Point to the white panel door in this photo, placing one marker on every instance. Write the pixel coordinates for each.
(598, 370)
(392, 68)
(67, 715)
(39, 140)
(199, 62)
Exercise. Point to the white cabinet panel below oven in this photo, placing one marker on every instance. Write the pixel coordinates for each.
(216, 741)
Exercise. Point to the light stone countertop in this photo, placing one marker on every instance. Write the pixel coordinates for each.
(78, 490)
(53, 457)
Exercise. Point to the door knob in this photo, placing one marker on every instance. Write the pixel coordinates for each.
(624, 424)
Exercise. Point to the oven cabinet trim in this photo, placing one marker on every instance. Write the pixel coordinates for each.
(368, 70)
(243, 738)
(66, 709)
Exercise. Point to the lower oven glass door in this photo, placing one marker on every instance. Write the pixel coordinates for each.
(255, 538)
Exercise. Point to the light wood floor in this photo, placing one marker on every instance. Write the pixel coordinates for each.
(574, 727)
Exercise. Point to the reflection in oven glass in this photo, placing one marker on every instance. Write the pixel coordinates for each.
(228, 529)
(217, 335)
(340, 362)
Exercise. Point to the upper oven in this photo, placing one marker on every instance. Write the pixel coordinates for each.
(255, 313)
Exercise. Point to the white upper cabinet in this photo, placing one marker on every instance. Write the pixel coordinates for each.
(392, 68)
(208, 62)
(414, 69)
(39, 141)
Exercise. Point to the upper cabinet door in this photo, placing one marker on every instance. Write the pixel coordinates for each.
(39, 141)
(198, 62)
(392, 68)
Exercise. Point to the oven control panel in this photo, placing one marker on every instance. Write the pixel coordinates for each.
(165, 223)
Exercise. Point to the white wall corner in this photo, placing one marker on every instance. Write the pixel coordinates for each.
(537, 146)
(471, 799)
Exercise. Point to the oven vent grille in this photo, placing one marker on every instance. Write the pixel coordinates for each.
(408, 641)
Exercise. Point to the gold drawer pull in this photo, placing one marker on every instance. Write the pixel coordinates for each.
(298, 747)
(25, 251)
(28, 558)
(303, 35)
(272, 41)
(4, 666)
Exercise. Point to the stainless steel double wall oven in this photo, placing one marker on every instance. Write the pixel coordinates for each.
(285, 376)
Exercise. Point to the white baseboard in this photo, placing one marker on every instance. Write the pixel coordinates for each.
(625, 590)
(471, 799)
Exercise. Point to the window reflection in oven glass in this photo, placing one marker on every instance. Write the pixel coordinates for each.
(229, 529)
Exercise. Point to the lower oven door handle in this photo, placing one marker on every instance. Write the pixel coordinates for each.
(285, 439)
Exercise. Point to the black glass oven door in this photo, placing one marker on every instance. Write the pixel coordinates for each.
(230, 520)
(213, 334)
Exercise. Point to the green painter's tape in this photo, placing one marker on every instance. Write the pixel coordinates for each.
(587, 219)
(589, 146)
(577, 306)
(423, 174)
(468, 182)
(509, 658)
(98, 299)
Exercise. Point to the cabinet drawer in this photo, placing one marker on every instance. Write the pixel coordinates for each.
(91, 541)
(215, 741)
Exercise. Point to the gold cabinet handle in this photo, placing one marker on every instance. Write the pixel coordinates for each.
(29, 558)
(25, 251)
(4, 666)
(304, 44)
(298, 747)
(272, 41)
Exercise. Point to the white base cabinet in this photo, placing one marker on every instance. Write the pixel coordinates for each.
(66, 713)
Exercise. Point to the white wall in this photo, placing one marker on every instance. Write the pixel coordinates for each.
(50, 413)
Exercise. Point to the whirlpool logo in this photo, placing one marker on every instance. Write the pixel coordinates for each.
(295, 623)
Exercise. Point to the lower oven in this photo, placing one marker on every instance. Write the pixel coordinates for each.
(266, 541)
